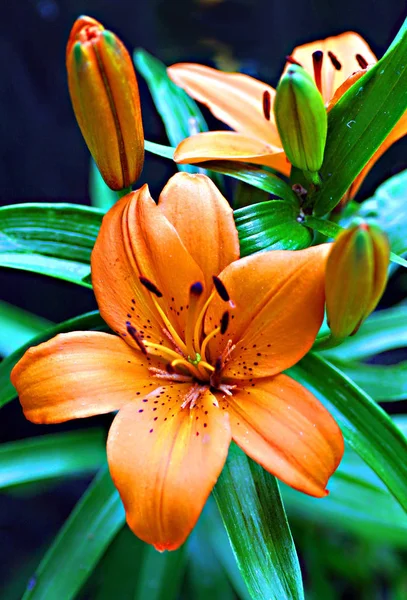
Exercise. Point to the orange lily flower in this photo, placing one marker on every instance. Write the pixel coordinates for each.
(202, 340)
(246, 104)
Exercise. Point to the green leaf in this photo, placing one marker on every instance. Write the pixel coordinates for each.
(387, 208)
(51, 456)
(206, 578)
(256, 176)
(331, 230)
(179, 112)
(101, 196)
(88, 321)
(252, 511)
(365, 426)
(18, 326)
(210, 528)
(358, 502)
(161, 574)
(384, 383)
(246, 195)
(116, 574)
(360, 121)
(383, 330)
(50, 239)
(94, 522)
(159, 149)
(174, 105)
(271, 225)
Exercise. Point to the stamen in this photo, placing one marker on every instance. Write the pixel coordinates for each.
(221, 289)
(170, 329)
(193, 396)
(199, 322)
(226, 388)
(181, 362)
(195, 292)
(334, 61)
(317, 59)
(361, 61)
(206, 341)
(160, 374)
(150, 286)
(216, 375)
(293, 61)
(132, 331)
(266, 105)
(224, 322)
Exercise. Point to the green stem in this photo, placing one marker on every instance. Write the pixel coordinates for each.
(123, 192)
(327, 341)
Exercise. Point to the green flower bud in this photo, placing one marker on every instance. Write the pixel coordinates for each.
(301, 120)
(356, 276)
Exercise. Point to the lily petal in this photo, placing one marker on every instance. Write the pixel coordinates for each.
(229, 145)
(136, 239)
(165, 460)
(77, 375)
(203, 220)
(344, 48)
(233, 98)
(279, 298)
(284, 428)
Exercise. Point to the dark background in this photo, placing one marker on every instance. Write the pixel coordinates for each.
(44, 158)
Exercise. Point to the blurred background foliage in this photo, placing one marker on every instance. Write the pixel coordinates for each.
(44, 159)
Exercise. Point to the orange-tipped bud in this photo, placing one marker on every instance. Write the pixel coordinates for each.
(356, 276)
(105, 98)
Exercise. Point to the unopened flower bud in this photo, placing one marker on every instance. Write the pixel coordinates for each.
(356, 276)
(301, 119)
(105, 98)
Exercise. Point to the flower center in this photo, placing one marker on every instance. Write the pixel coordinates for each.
(188, 359)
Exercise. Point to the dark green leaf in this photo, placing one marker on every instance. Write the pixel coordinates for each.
(246, 195)
(206, 578)
(383, 330)
(159, 149)
(365, 426)
(101, 196)
(116, 574)
(50, 456)
(358, 502)
(271, 225)
(18, 326)
(161, 574)
(88, 321)
(252, 511)
(81, 542)
(51, 239)
(384, 383)
(255, 176)
(210, 528)
(387, 208)
(180, 113)
(360, 121)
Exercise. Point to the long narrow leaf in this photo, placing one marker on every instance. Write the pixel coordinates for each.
(365, 426)
(384, 383)
(51, 456)
(50, 239)
(252, 511)
(18, 326)
(161, 574)
(89, 321)
(94, 522)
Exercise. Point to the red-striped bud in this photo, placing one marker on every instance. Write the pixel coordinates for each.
(105, 98)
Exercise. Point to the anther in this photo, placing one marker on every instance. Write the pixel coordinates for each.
(361, 61)
(292, 61)
(266, 105)
(220, 288)
(334, 61)
(132, 331)
(150, 286)
(224, 322)
(196, 288)
(317, 59)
